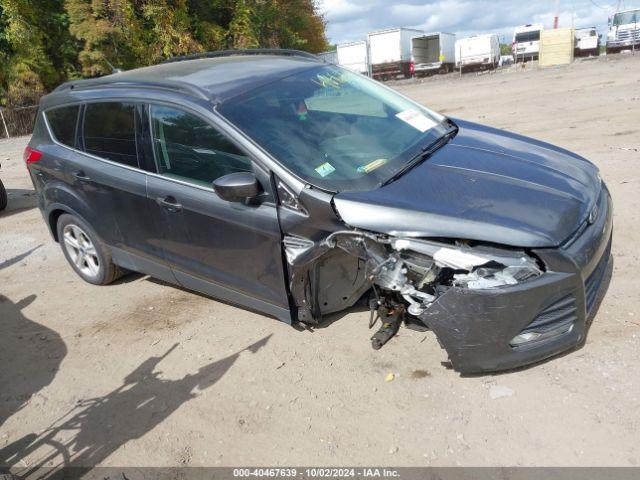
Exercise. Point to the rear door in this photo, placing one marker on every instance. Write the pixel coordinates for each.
(232, 251)
(109, 176)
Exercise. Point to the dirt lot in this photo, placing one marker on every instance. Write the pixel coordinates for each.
(83, 376)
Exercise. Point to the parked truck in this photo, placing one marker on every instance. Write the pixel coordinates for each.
(390, 52)
(526, 42)
(586, 42)
(433, 53)
(480, 51)
(354, 56)
(624, 31)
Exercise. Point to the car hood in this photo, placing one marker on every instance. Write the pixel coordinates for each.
(487, 185)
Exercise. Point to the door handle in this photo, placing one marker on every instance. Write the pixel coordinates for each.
(80, 175)
(169, 203)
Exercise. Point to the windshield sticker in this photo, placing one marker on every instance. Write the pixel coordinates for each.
(330, 80)
(370, 167)
(417, 120)
(325, 169)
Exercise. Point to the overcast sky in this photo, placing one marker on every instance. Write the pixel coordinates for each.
(350, 20)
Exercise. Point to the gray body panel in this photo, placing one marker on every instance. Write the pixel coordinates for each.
(486, 185)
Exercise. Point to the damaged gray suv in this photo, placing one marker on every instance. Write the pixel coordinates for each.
(295, 188)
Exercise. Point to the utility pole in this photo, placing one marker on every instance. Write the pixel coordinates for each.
(556, 19)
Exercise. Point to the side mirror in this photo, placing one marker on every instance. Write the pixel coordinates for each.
(236, 187)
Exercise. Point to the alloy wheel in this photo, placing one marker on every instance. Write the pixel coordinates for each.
(81, 250)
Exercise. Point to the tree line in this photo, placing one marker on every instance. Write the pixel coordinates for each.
(46, 42)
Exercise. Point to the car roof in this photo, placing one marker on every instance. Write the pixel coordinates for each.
(217, 79)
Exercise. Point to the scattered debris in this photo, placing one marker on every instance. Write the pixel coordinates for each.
(390, 377)
(499, 391)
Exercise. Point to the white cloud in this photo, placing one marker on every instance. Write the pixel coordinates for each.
(349, 20)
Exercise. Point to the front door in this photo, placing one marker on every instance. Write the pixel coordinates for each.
(231, 251)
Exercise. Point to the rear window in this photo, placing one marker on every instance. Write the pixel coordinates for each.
(110, 132)
(63, 122)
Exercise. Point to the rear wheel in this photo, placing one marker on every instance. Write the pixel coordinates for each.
(3, 197)
(87, 254)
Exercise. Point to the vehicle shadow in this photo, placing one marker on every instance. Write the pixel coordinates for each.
(18, 258)
(19, 200)
(97, 427)
(604, 288)
(30, 355)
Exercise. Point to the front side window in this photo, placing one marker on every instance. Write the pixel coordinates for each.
(110, 132)
(63, 122)
(335, 129)
(188, 148)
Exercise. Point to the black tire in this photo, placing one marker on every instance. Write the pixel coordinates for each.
(106, 271)
(3, 197)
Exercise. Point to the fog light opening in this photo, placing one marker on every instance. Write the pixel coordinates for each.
(533, 336)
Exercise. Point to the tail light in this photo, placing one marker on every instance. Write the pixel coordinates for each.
(31, 156)
(412, 68)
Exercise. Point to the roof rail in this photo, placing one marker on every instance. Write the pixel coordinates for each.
(247, 51)
(98, 82)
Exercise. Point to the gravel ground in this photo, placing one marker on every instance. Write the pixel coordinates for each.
(144, 374)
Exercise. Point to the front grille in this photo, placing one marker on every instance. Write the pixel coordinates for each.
(560, 313)
(625, 35)
(592, 285)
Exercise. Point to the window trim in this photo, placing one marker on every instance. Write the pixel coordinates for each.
(225, 127)
(149, 140)
(77, 125)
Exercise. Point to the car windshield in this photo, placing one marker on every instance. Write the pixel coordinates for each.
(626, 18)
(335, 129)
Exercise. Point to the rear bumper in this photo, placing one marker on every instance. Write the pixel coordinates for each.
(475, 61)
(476, 326)
(428, 67)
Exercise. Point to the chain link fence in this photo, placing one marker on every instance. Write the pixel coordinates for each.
(15, 122)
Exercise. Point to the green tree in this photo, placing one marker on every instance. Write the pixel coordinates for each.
(45, 42)
(36, 47)
(242, 28)
(506, 49)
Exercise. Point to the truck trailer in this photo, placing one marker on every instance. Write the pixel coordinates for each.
(354, 56)
(390, 52)
(480, 51)
(433, 53)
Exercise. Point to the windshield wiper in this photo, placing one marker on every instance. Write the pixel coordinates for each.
(422, 155)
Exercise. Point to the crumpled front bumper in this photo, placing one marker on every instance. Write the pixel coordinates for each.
(476, 326)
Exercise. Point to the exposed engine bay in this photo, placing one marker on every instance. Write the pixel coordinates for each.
(404, 275)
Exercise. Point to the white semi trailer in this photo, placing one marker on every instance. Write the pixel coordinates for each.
(354, 56)
(390, 52)
(480, 51)
(624, 31)
(433, 53)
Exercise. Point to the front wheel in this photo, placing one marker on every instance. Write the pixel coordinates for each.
(87, 254)
(3, 197)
